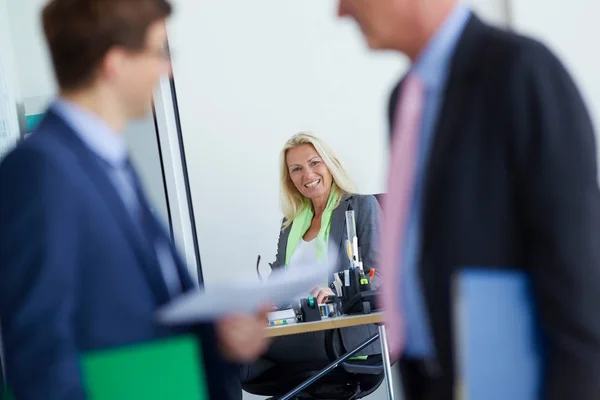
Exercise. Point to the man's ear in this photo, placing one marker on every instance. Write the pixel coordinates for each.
(112, 64)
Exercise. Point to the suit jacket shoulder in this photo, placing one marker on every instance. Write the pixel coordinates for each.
(491, 53)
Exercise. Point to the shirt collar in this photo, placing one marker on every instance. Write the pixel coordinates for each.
(432, 63)
(94, 131)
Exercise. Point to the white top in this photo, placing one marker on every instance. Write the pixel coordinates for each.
(305, 253)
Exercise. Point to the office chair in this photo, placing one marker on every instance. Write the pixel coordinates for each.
(353, 379)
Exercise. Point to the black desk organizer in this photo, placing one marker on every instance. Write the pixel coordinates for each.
(358, 298)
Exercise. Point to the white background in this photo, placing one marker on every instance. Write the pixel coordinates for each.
(571, 29)
(33, 70)
(6, 48)
(9, 130)
(249, 75)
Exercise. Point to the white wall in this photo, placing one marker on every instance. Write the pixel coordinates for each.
(9, 126)
(571, 29)
(6, 48)
(34, 77)
(248, 76)
(493, 11)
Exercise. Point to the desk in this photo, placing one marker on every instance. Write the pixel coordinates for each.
(345, 321)
(325, 324)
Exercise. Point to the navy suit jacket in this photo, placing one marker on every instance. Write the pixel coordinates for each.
(75, 272)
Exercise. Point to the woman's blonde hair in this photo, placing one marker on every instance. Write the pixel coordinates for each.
(292, 201)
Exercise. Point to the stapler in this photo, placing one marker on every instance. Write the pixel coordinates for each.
(308, 309)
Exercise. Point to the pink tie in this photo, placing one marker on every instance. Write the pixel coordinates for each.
(396, 205)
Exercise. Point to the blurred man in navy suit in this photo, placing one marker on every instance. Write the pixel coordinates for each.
(83, 262)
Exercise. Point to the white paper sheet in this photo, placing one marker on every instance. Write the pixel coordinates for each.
(282, 287)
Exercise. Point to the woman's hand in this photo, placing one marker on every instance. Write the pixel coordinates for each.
(321, 294)
(242, 336)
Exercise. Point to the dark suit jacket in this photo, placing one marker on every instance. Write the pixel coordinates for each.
(367, 213)
(511, 182)
(75, 274)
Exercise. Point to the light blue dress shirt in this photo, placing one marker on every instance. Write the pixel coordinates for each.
(432, 67)
(111, 147)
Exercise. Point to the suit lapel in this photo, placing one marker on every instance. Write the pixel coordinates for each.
(106, 190)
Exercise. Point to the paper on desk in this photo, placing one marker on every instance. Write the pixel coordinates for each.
(283, 287)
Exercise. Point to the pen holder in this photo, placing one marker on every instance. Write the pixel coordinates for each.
(357, 284)
(357, 297)
(349, 292)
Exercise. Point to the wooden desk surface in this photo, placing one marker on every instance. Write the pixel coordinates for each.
(325, 324)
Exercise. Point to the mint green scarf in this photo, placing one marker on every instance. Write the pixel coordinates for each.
(302, 222)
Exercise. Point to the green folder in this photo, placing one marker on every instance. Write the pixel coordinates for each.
(165, 369)
(158, 370)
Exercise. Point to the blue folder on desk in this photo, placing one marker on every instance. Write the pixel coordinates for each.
(498, 343)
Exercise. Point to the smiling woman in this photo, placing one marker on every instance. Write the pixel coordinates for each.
(316, 192)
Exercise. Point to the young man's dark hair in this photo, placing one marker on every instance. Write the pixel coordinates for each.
(80, 33)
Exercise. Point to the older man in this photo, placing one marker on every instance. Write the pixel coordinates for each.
(493, 165)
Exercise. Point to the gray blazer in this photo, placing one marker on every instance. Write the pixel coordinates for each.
(367, 211)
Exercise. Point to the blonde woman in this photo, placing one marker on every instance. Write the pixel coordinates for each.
(316, 192)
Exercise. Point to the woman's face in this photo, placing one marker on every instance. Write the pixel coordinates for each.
(309, 173)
